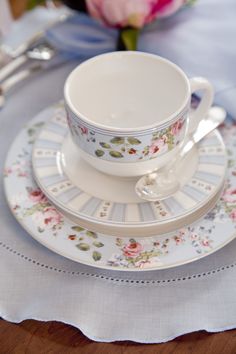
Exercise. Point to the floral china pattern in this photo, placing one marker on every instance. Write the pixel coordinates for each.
(44, 215)
(31, 207)
(127, 148)
(135, 254)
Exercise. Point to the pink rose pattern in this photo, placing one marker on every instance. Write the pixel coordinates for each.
(158, 145)
(132, 249)
(43, 214)
(17, 168)
(176, 127)
(36, 196)
(84, 130)
(51, 217)
(233, 214)
(134, 254)
(229, 195)
(46, 218)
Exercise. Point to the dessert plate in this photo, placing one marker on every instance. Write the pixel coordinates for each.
(44, 223)
(109, 204)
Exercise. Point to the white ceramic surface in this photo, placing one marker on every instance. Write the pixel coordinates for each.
(108, 204)
(131, 107)
(43, 222)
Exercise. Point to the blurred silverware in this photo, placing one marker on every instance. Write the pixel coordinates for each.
(4, 58)
(42, 52)
(38, 66)
(11, 82)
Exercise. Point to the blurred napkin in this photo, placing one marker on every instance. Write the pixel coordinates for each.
(32, 22)
(83, 36)
(200, 39)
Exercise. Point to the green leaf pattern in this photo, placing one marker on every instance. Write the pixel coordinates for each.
(105, 145)
(77, 228)
(98, 244)
(99, 153)
(89, 242)
(97, 256)
(117, 140)
(83, 246)
(116, 154)
(161, 141)
(133, 141)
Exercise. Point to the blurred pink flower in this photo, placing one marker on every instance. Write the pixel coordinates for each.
(37, 196)
(176, 127)
(229, 195)
(7, 171)
(48, 218)
(51, 216)
(148, 263)
(22, 174)
(83, 130)
(158, 145)
(133, 13)
(179, 239)
(233, 214)
(205, 243)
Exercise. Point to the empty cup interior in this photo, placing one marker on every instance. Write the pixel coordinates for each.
(127, 90)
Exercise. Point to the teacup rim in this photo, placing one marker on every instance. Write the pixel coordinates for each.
(101, 126)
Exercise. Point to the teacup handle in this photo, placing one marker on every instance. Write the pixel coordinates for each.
(200, 83)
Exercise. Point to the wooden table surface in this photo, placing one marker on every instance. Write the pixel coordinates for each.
(34, 337)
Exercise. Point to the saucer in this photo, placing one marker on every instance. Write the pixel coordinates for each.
(109, 204)
(44, 223)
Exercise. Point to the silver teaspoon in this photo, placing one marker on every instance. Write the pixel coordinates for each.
(163, 183)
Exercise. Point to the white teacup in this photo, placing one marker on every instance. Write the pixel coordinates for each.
(129, 112)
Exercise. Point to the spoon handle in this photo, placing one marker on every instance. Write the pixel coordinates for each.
(163, 183)
(215, 117)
